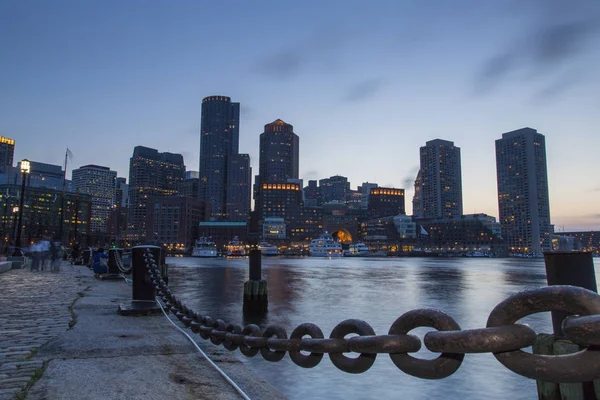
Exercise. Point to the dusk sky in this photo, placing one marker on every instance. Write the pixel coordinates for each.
(364, 83)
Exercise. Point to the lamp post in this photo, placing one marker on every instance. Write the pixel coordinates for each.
(25, 170)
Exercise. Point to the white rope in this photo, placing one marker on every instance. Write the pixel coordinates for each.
(219, 370)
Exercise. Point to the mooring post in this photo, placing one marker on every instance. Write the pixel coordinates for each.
(256, 299)
(575, 269)
(569, 268)
(143, 291)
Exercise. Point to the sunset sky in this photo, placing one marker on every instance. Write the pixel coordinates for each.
(365, 84)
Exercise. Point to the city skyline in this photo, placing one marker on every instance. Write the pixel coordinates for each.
(360, 110)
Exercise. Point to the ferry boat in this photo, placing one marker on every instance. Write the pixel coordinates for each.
(204, 247)
(267, 249)
(235, 248)
(358, 250)
(325, 246)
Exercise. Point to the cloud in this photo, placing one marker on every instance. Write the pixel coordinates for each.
(318, 49)
(409, 180)
(312, 174)
(552, 44)
(363, 90)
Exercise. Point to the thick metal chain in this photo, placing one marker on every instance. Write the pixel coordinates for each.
(120, 265)
(503, 336)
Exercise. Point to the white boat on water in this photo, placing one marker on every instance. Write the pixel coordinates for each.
(267, 249)
(325, 246)
(235, 248)
(358, 250)
(204, 247)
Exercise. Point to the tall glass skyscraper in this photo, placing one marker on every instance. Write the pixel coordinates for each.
(440, 180)
(219, 138)
(523, 199)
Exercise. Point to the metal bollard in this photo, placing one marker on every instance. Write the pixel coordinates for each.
(143, 292)
(113, 267)
(569, 268)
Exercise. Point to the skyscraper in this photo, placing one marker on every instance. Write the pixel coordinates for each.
(151, 174)
(7, 151)
(523, 200)
(279, 153)
(99, 183)
(335, 188)
(441, 181)
(219, 138)
(239, 177)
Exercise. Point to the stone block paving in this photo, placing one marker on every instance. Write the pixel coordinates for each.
(34, 309)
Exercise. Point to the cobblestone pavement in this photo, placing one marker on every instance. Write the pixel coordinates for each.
(34, 309)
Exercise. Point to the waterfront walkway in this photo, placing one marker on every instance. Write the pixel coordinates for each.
(61, 338)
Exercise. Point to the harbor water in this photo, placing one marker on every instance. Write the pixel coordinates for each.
(377, 290)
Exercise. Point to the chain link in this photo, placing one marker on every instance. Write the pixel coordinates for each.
(502, 337)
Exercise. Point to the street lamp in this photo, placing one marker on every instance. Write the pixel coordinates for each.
(25, 166)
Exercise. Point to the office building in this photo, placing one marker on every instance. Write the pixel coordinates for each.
(41, 216)
(365, 191)
(386, 202)
(239, 191)
(219, 138)
(279, 153)
(463, 234)
(523, 199)
(46, 176)
(311, 194)
(441, 182)
(117, 222)
(189, 188)
(151, 174)
(173, 222)
(7, 151)
(281, 200)
(335, 188)
(99, 183)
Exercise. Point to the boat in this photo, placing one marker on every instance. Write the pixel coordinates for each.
(325, 246)
(235, 248)
(358, 250)
(267, 249)
(204, 247)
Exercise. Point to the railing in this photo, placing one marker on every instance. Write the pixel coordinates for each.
(502, 336)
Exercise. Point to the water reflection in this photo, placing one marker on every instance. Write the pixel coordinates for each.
(326, 292)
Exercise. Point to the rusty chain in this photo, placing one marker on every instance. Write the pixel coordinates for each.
(502, 337)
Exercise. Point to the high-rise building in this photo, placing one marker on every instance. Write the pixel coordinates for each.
(441, 181)
(523, 199)
(312, 194)
(279, 153)
(151, 174)
(335, 188)
(118, 217)
(386, 202)
(219, 138)
(173, 222)
(47, 176)
(365, 191)
(7, 151)
(239, 176)
(281, 200)
(99, 183)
